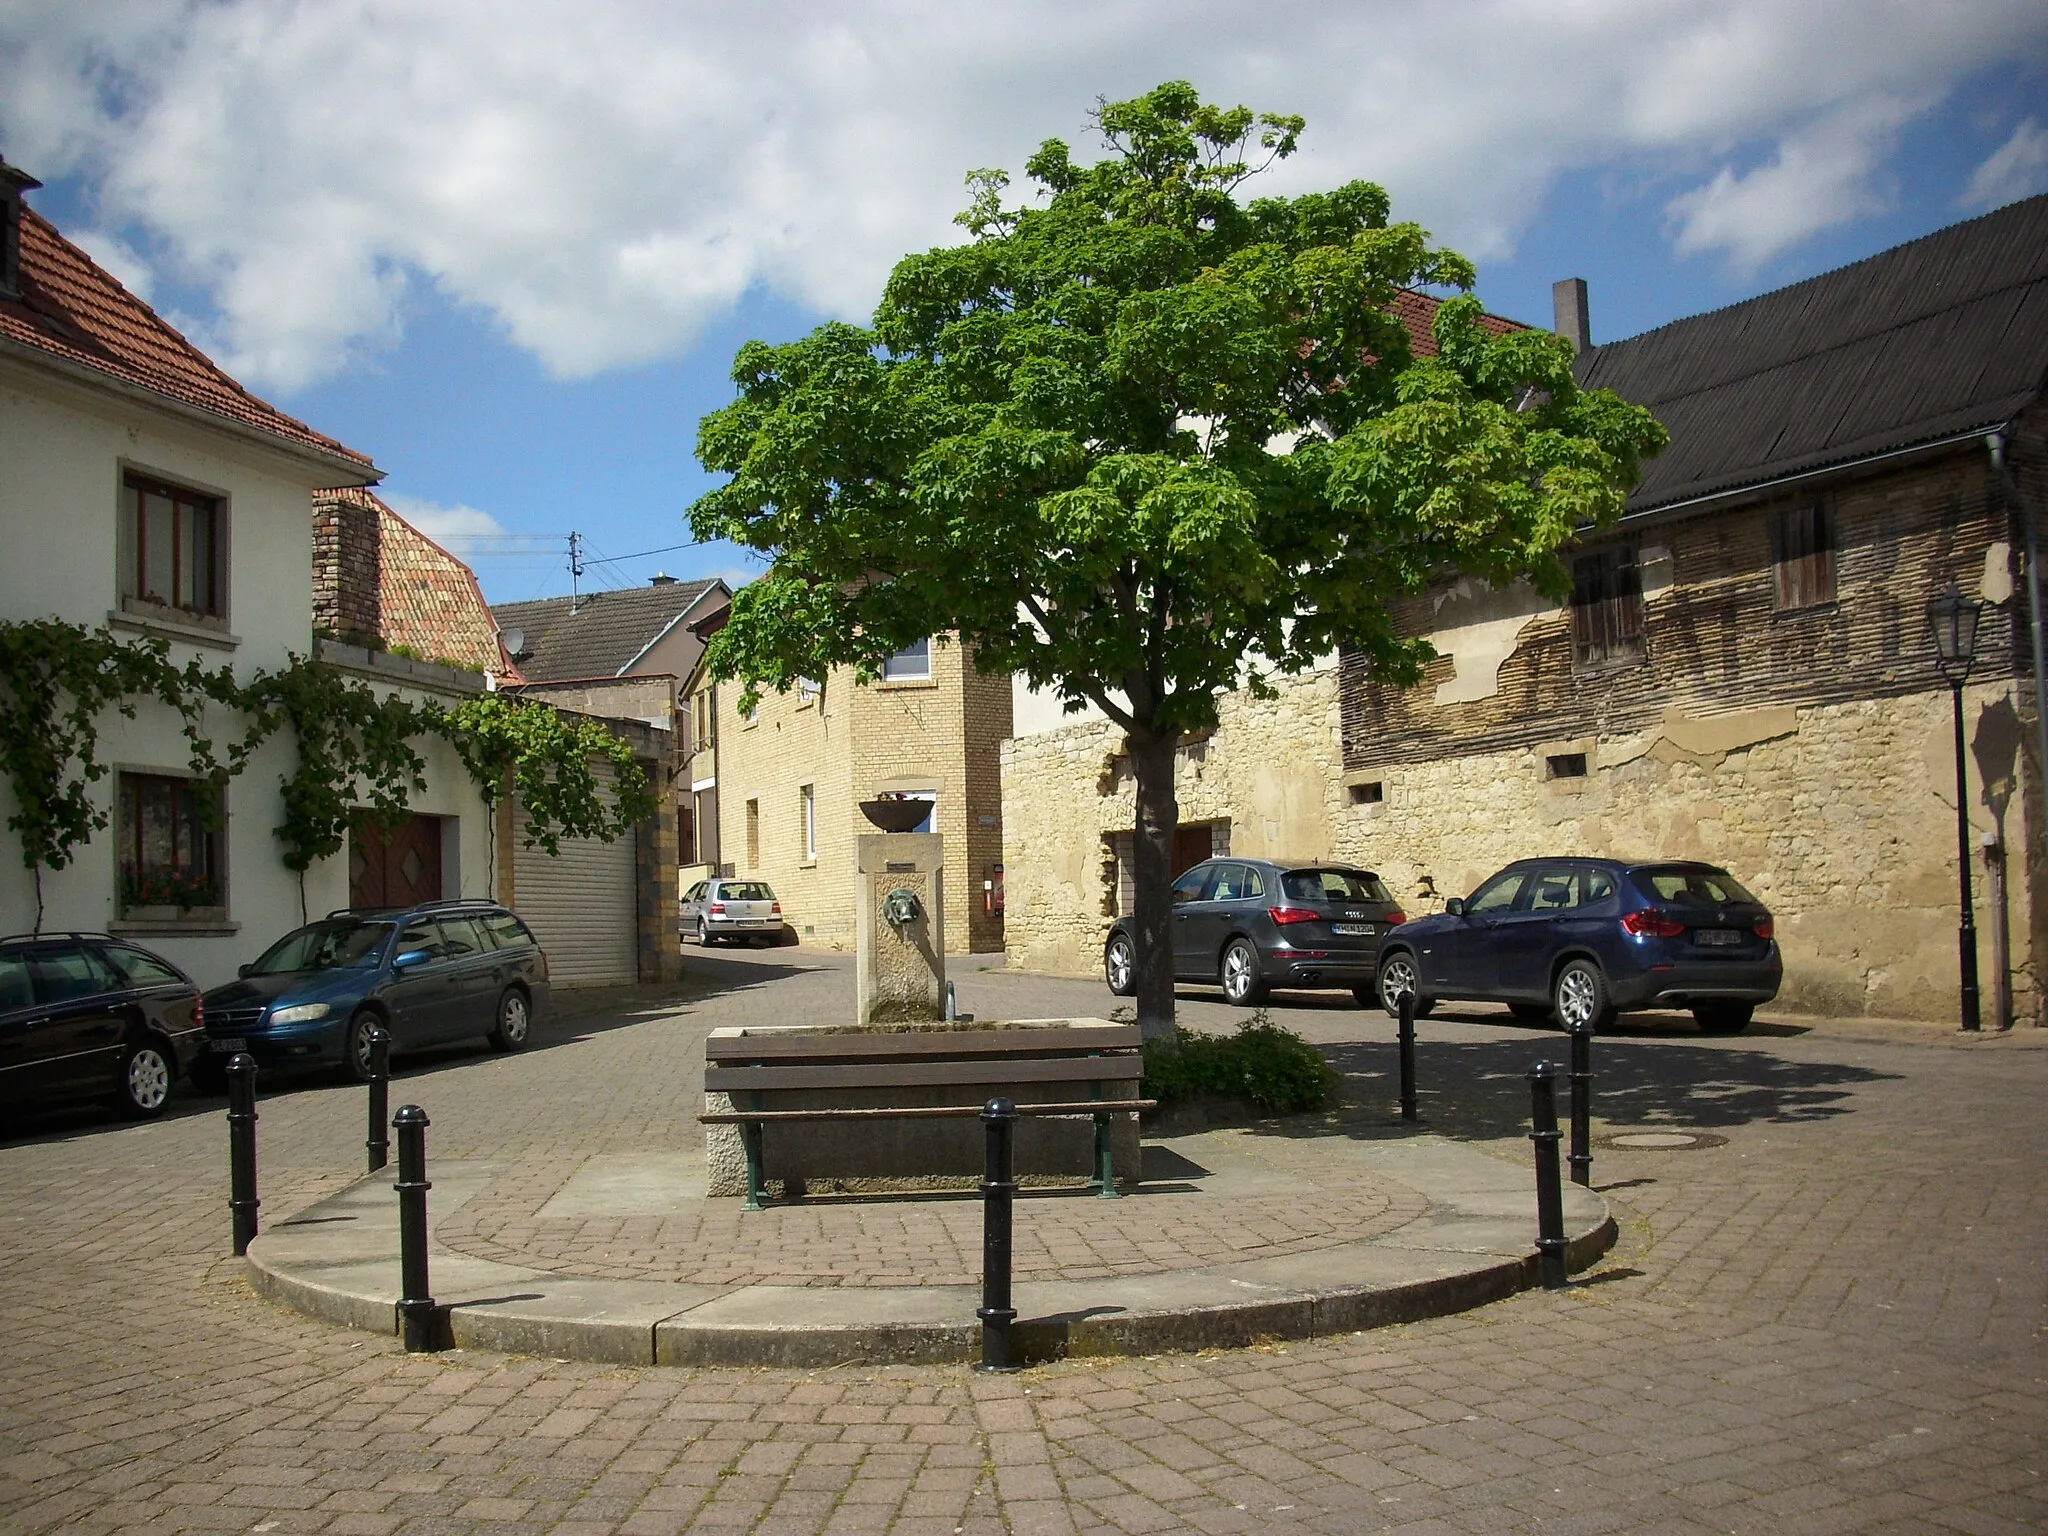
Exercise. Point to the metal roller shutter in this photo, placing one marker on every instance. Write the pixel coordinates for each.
(580, 905)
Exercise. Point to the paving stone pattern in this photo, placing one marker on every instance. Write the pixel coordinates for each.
(1830, 1321)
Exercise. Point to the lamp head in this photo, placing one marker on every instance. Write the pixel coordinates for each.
(1952, 623)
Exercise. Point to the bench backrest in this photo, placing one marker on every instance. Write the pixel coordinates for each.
(982, 1058)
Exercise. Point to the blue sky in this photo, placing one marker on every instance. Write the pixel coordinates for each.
(509, 250)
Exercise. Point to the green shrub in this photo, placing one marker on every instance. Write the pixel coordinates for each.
(1273, 1067)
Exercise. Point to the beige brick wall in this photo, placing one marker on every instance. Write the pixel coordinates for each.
(850, 743)
(1840, 816)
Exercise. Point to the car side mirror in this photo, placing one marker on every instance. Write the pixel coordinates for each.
(1455, 906)
(244, 970)
(411, 958)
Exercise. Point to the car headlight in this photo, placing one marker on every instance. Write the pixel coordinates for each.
(302, 1013)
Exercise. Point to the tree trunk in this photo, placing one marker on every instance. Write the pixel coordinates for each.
(1152, 877)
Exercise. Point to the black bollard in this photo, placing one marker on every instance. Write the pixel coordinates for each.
(415, 1300)
(1549, 1191)
(998, 1191)
(242, 1201)
(377, 1144)
(1582, 1103)
(1407, 1037)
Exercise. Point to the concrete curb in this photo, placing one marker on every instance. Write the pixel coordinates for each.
(338, 1261)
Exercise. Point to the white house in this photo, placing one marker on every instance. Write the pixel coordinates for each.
(143, 489)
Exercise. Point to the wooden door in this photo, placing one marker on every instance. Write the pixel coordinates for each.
(1190, 846)
(398, 868)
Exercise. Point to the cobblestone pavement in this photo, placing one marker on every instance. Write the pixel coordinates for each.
(1826, 1317)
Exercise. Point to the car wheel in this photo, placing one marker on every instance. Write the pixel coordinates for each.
(515, 1019)
(145, 1086)
(1722, 1017)
(1579, 996)
(1120, 966)
(1239, 974)
(703, 934)
(355, 1046)
(1531, 1013)
(1397, 975)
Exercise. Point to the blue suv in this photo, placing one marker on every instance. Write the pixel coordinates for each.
(430, 974)
(1579, 940)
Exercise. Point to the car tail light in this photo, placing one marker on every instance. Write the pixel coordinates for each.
(1763, 929)
(775, 907)
(1397, 917)
(716, 909)
(1285, 915)
(198, 1012)
(1652, 924)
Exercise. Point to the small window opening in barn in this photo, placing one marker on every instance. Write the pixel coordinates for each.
(1368, 794)
(1607, 609)
(1803, 556)
(1565, 765)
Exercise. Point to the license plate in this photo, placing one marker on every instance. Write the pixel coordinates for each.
(1353, 930)
(1717, 936)
(227, 1047)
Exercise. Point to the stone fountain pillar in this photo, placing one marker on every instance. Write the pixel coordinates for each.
(900, 928)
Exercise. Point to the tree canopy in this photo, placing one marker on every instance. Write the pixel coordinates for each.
(1143, 443)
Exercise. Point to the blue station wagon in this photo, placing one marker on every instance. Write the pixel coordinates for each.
(1579, 940)
(431, 974)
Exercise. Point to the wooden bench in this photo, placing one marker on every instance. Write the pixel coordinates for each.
(1068, 1070)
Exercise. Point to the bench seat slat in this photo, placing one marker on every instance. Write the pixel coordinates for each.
(923, 1074)
(925, 1112)
(769, 1046)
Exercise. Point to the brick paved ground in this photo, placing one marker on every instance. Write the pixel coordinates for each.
(1830, 1321)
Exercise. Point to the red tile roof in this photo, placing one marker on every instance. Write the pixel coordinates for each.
(71, 308)
(1416, 311)
(426, 599)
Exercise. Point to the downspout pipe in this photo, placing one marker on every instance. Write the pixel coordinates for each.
(1996, 442)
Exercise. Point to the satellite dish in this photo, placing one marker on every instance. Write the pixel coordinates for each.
(515, 644)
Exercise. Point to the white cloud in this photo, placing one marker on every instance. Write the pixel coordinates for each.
(605, 177)
(461, 530)
(2017, 168)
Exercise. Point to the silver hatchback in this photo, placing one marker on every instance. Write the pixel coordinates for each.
(718, 911)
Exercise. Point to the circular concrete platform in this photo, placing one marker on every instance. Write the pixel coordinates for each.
(1233, 1236)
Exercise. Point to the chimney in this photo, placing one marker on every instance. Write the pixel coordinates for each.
(661, 579)
(13, 182)
(1568, 303)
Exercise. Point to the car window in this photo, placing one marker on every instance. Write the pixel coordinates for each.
(1551, 890)
(1693, 887)
(421, 933)
(1333, 885)
(1234, 882)
(696, 892)
(1599, 885)
(1189, 886)
(461, 936)
(745, 890)
(341, 943)
(15, 991)
(62, 973)
(1498, 894)
(507, 930)
(141, 970)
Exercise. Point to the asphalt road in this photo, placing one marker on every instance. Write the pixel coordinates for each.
(1825, 1315)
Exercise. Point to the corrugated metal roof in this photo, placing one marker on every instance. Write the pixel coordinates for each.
(604, 635)
(1941, 336)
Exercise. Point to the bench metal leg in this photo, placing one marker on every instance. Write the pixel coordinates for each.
(1105, 1161)
(757, 1190)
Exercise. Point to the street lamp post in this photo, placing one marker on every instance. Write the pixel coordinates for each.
(1952, 621)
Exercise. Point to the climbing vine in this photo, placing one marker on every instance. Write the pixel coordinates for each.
(55, 680)
(355, 760)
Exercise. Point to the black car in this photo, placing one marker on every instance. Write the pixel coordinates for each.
(430, 974)
(88, 1016)
(1579, 940)
(1249, 925)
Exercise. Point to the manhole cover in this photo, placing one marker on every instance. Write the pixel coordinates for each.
(1663, 1141)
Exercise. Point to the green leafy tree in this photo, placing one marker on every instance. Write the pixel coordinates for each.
(1145, 443)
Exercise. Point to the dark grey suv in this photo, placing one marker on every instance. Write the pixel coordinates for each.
(1249, 925)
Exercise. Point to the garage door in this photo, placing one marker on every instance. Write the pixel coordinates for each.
(580, 906)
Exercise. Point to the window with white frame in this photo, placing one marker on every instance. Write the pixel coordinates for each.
(911, 664)
(806, 691)
(807, 808)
